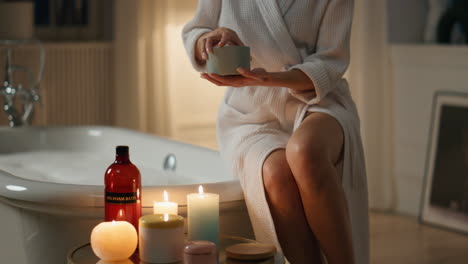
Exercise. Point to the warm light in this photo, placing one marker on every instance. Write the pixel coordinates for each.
(166, 217)
(166, 196)
(121, 213)
(113, 222)
(165, 207)
(200, 190)
(16, 188)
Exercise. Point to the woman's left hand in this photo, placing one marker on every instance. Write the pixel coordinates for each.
(295, 79)
(255, 77)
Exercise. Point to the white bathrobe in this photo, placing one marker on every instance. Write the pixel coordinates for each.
(309, 35)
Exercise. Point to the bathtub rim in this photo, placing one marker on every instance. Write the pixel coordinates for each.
(93, 195)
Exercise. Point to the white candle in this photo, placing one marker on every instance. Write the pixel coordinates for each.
(161, 238)
(203, 216)
(114, 241)
(165, 207)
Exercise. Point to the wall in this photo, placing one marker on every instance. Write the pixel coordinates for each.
(406, 20)
(193, 101)
(419, 71)
(367, 76)
(77, 86)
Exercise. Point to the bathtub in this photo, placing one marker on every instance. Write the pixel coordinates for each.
(51, 185)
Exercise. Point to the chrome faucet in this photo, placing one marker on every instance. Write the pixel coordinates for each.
(28, 97)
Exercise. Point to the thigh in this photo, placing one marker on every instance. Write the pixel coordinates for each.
(320, 136)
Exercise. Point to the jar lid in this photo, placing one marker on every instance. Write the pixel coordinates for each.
(200, 247)
(250, 251)
(161, 221)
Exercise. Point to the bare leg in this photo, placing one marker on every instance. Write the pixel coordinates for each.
(297, 240)
(312, 152)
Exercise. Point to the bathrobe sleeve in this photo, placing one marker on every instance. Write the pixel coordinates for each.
(327, 65)
(205, 20)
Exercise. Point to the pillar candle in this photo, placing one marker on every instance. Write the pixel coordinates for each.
(203, 216)
(165, 207)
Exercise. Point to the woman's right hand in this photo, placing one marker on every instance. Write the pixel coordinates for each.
(218, 37)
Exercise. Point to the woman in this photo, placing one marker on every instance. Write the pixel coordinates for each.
(289, 128)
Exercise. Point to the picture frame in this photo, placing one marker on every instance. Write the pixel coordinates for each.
(444, 200)
(67, 19)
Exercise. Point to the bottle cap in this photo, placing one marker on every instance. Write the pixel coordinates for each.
(121, 150)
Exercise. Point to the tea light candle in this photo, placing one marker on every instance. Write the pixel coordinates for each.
(203, 216)
(161, 238)
(114, 241)
(165, 207)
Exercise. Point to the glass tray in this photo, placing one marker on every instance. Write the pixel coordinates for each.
(83, 254)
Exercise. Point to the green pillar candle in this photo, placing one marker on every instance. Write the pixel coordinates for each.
(203, 216)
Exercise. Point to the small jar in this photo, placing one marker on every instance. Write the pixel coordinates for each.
(200, 252)
(161, 238)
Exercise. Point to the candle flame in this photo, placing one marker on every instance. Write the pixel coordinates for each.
(166, 196)
(200, 190)
(166, 217)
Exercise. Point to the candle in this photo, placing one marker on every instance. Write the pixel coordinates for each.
(161, 238)
(165, 207)
(203, 216)
(114, 241)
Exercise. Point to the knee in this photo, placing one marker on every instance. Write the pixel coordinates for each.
(312, 153)
(277, 178)
(310, 161)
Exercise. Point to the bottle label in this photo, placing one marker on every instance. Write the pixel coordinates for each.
(121, 198)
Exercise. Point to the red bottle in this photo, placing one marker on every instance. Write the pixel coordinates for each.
(123, 189)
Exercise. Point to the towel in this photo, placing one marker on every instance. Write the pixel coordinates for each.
(311, 36)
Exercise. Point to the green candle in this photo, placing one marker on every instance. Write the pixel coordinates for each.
(203, 216)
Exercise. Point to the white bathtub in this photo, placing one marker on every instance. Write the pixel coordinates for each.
(51, 185)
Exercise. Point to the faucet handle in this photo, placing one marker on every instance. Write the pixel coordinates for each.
(36, 96)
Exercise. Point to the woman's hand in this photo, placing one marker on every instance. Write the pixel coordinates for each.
(294, 79)
(255, 77)
(218, 37)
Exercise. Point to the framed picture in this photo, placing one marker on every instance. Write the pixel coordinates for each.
(445, 193)
(68, 19)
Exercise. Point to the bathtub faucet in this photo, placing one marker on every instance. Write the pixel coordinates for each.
(170, 162)
(27, 97)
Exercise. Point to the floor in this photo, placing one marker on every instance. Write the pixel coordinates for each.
(401, 239)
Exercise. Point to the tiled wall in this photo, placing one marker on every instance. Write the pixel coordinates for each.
(77, 85)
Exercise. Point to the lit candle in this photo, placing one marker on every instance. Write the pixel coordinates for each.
(114, 241)
(161, 238)
(165, 207)
(203, 216)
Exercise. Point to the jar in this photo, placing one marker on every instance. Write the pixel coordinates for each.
(161, 238)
